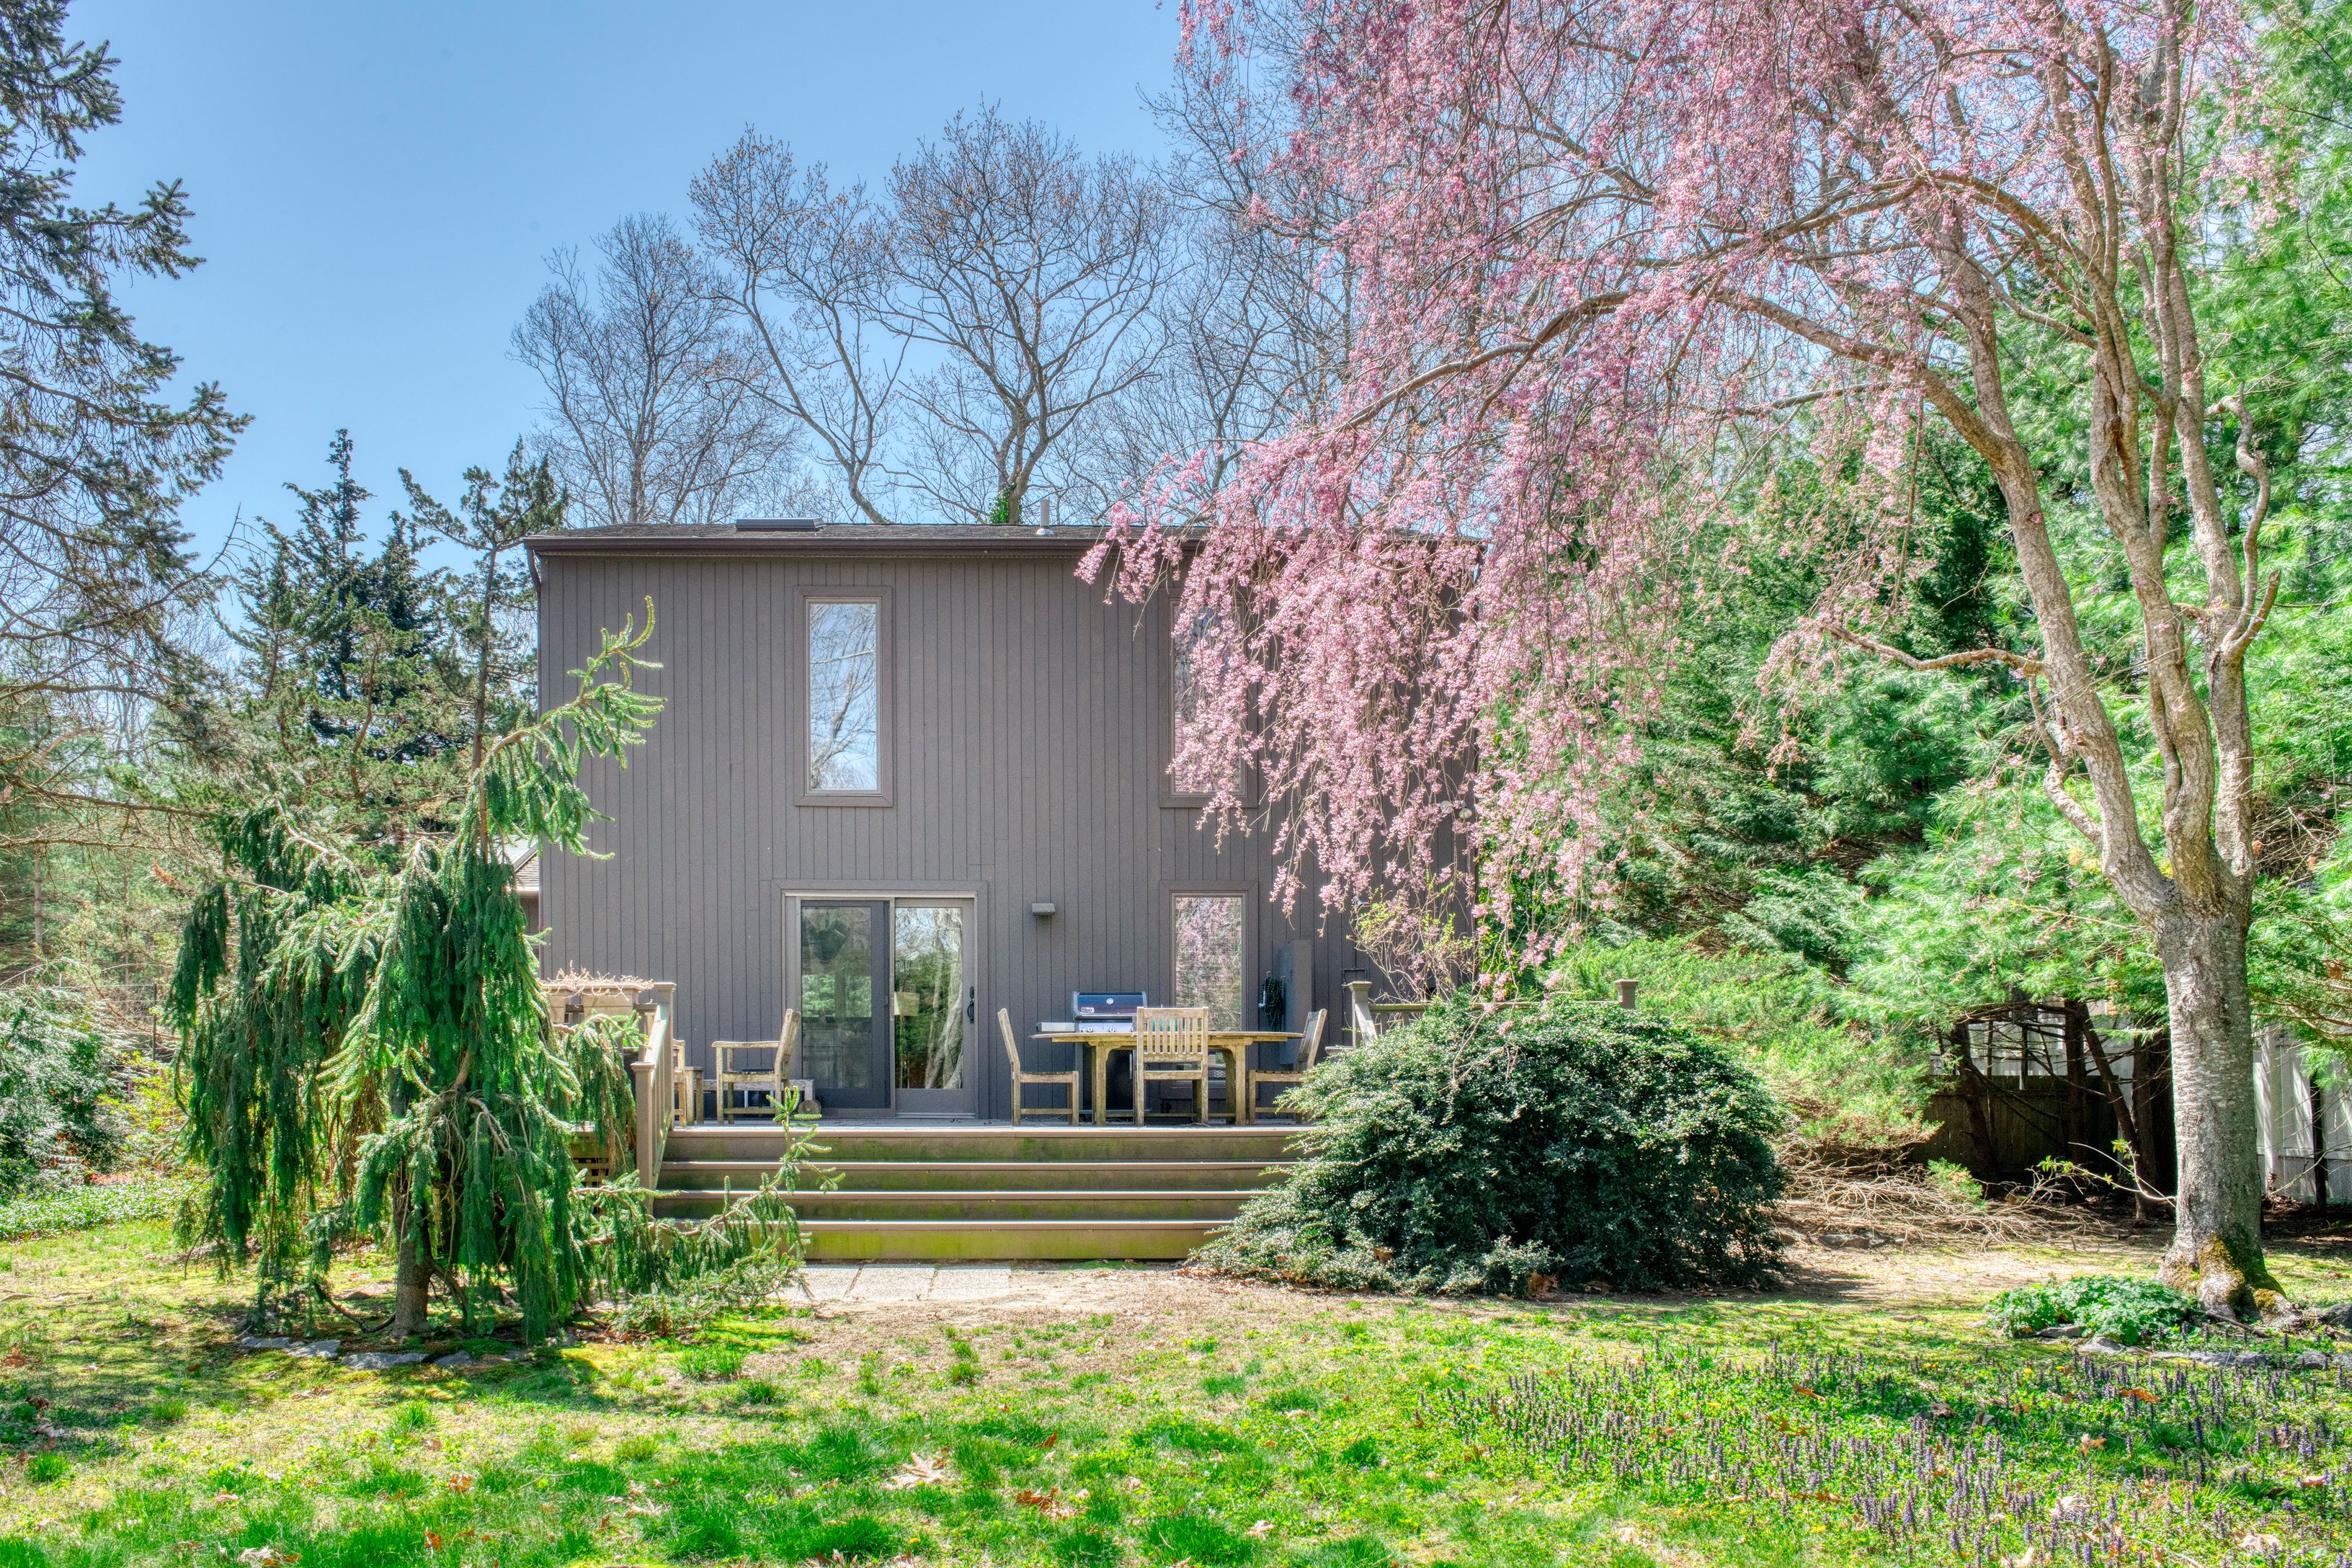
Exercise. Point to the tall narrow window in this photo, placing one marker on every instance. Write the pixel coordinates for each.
(1188, 773)
(1209, 956)
(844, 663)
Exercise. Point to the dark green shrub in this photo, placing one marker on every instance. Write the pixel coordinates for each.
(2134, 1311)
(1477, 1151)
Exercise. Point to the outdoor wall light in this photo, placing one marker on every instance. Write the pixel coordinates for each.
(1043, 912)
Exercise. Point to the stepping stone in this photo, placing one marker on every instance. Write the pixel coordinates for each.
(318, 1350)
(829, 1281)
(380, 1360)
(979, 1282)
(455, 1359)
(892, 1282)
(268, 1342)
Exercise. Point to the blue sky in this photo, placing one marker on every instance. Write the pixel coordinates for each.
(376, 186)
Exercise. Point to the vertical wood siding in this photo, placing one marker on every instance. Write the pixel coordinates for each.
(1023, 765)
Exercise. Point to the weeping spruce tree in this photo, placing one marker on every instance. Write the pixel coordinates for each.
(366, 1052)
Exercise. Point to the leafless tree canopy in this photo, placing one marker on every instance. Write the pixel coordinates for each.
(801, 266)
(649, 414)
(1008, 321)
(960, 345)
(1033, 273)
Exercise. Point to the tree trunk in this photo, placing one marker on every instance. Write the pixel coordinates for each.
(412, 1277)
(2217, 1242)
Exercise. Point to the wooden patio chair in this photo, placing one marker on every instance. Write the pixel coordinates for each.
(1023, 1079)
(729, 1071)
(1310, 1046)
(685, 1086)
(1171, 1046)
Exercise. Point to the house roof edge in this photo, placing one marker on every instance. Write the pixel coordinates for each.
(854, 539)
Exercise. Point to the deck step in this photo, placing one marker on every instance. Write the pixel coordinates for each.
(1027, 1143)
(1065, 1240)
(993, 1175)
(917, 1190)
(1105, 1205)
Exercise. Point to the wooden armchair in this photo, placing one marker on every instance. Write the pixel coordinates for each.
(1171, 1046)
(1023, 1079)
(731, 1067)
(1310, 1046)
(686, 1087)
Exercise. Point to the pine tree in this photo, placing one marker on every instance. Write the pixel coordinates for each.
(355, 684)
(487, 603)
(95, 461)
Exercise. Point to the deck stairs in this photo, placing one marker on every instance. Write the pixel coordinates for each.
(947, 1190)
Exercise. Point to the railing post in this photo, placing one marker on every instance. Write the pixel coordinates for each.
(1360, 1026)
(653, 1076)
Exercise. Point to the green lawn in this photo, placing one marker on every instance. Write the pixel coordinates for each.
(1186, 1423)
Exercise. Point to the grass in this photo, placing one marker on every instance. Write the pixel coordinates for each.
(1186, 1424)
(84, 1209)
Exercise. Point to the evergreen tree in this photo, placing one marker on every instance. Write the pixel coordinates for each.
(488, 604)
(94, 569)
(366, 1048)
(354, 675)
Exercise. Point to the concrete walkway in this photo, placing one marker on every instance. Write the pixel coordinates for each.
(909, 1281)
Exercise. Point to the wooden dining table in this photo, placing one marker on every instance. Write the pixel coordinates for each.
(1234, 1045)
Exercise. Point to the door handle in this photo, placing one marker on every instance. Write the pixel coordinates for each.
(972, 1004)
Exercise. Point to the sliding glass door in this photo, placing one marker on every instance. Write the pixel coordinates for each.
(844, 973)
(932, 1006)
(888, 1003)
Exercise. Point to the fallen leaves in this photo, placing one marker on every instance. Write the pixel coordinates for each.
(1047, 1502)
(920, 1471)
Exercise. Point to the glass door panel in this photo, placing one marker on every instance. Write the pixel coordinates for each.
(932, 1003)
(844, 975)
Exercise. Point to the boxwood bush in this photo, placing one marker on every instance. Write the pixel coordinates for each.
(1478, 1151)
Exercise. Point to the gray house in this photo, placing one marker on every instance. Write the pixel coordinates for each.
(904, 776)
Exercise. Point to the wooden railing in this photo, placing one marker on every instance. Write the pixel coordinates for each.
(1366, 1017)
(653, 1077)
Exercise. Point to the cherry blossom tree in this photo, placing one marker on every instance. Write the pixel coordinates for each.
(1589, 246)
